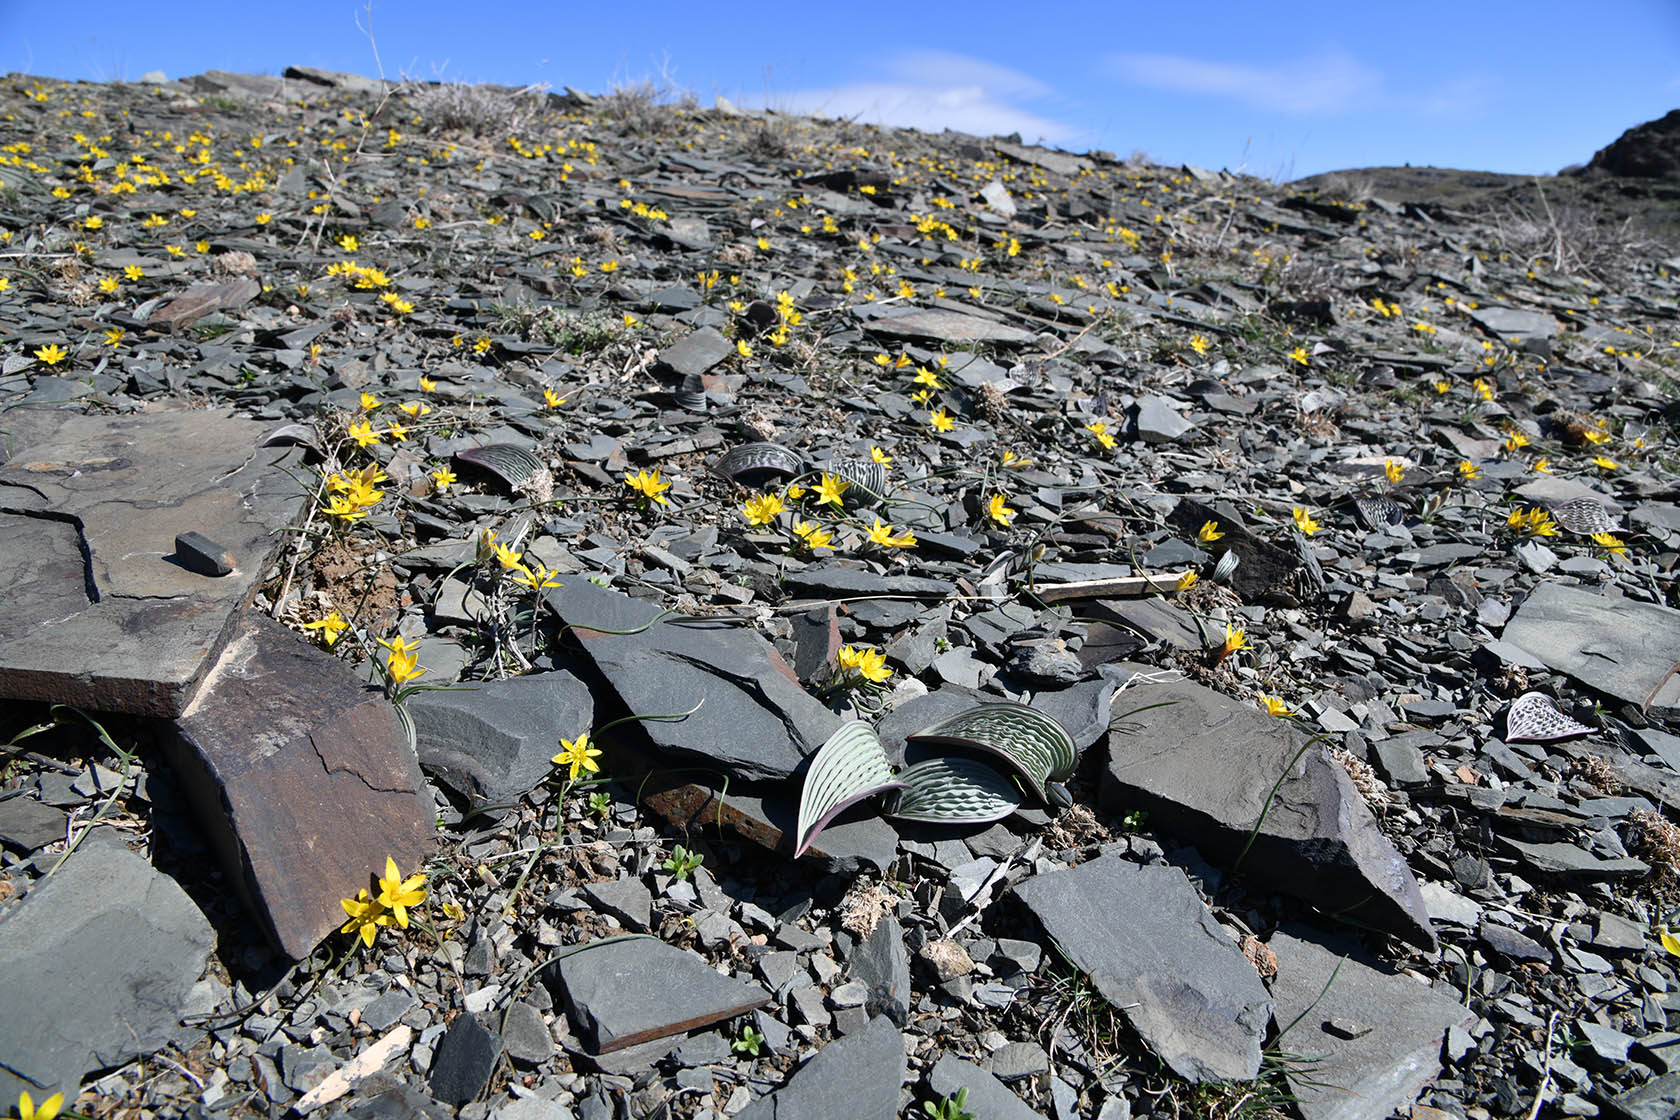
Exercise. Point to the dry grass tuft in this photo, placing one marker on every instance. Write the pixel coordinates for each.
(481, 110)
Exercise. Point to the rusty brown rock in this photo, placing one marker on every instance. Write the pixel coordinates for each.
(200, 300)
(303, 779)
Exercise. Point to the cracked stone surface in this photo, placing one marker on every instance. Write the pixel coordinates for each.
(303, 779)
(99, 612)
(1618, 646)
(95, 965)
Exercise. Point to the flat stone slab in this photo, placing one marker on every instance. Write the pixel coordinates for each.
(303, 780)
(987, 1096)
(492, 742)
(855, 1077)
(937, 325)
(95, 964)
(1317, 841)
(99, 612)
(756, 722)
(1375, 1072)
(1154, 951)
(1514, 324)
(1620, 647)
(624, 993)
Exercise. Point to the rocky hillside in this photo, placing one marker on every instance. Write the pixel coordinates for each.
(527, 605)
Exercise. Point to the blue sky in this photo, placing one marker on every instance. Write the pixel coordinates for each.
(1279, 90)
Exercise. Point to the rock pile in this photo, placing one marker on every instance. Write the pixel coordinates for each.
(467, 512)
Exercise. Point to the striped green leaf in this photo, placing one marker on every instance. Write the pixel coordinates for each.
(847, 768)
(954, 791)
(1034, 743)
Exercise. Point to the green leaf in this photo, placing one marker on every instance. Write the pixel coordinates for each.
(847, 768)
(1034, 743)
(954, 791)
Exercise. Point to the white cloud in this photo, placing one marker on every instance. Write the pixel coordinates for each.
(1331, 83)
(933, 90)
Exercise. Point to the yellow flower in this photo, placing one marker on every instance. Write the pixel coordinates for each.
(1010, 459)
(1234, 641)
(1468, 470)
(415, 409)
(366, 916)
(264, 219)
(941, 420)
(1299, 354)
(1514, 440)
(427, 384)
(1483, 389)
(1304, 521)
(349, 243)
(742, 348)
(998, 512)
(508, 558)
(829, 489)
(812, 534)
(443, 478)
(93, 223)
(1198, 344)
(396, 431)
(114, 336)
(369, 402)
(925, 376)
(883, 535)
(363, 434)
(1393, 470)
(47, 1110)
(1610, 543)
(762, 509)
(609, 266)
(1594, 436)
(330, 627)
(648, 485)
(1442, 386)
(1187, 581)
(402, 666)
(1100, 430)
(577, 755)
(52, 354)
(397, 894)
(553, 399)
(870, 664)
(1209, 532)
(880, 456)
(1274, 705)
(1603, 463)
(1543, 465)
(539, 578)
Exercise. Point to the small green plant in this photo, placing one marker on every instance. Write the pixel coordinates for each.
(683, 862)
(600, 804)
(953, 1107)
(1133, 821)
(748, 1043)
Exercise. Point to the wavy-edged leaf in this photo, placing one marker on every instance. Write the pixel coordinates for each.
(1226, 565)
(1533, 718)
(758, 464)
(847, 768)
(868, 479)
(954, 791)
(507, 461)
(1585, 517)
(295, 435)
(1379, 512)
(1034, 743)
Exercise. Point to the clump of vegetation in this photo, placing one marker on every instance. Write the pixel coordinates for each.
(482, 110)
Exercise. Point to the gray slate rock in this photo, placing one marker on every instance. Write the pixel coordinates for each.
(856, 1077)
(26, 824)
(625, 993)
(987, 1096)
(628, 900)
(465, 1059)
(1617, 646)
(1157, 421)
(1376, 1072)
(95, 966)
(492, 742)
(696, 353)
(755, 722)
(1657, 1099)
(1317, 841)
(1154, 951)
(883, 966)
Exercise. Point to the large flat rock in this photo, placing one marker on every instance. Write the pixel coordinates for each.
(931, 324)
(856, 1077)
(1323, 997)
(492, 742)
(1619, 647)
(95, 965)
(1154, 951)
(623, 993)
(1173, 757)
(756, 722)
(98, 611)
(302, 778)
